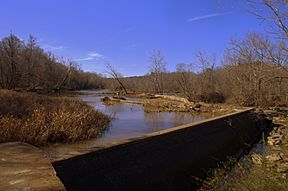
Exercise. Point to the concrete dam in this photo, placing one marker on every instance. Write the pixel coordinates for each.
(164, 160)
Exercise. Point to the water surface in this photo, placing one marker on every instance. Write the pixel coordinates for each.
(129, 121)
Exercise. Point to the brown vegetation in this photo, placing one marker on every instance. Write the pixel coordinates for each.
(168, 105)
(40, 120)
(254, 73)
(24, 65)
(245, 176)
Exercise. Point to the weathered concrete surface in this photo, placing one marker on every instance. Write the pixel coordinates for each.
(165, 160)
(24, 167)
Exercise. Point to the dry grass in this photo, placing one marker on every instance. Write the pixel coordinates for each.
(245, 176)
(40, 120)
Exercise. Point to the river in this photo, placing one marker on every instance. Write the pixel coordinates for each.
(129, 121)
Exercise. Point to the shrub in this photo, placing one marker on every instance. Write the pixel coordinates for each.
(244, 175)
(213, 97)
(40, 120)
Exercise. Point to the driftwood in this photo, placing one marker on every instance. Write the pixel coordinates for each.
(120, 100)
(173, 98)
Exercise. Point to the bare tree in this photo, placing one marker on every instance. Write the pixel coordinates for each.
(274, 12)
(254, 70)
(2, 67)
(26, 65)
(29, 59)
(207, 65)
(183, 78)
(116, 76)
(68, 68)
(11, 51)
(157, 68)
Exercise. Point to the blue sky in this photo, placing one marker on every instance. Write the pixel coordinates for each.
(125, 32)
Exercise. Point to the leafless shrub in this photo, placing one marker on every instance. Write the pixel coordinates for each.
(40, 120)
(244, 175)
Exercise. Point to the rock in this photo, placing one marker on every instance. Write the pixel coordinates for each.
(256, 159)
(277, 142)
(276, 136)
(270, 142)
(106, 99)
(281, 128)
(182, 105)
(273, 157)
(268, 112)
(276, 148)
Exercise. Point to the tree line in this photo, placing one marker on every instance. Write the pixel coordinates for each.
(254, 69)
(25, 65)
(254, 72)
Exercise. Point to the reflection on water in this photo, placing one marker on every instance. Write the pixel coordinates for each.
(129, 120)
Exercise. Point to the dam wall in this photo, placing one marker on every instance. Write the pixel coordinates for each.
(164, 160)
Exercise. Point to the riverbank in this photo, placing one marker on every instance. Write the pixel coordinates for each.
(41, 120)
(264, 168)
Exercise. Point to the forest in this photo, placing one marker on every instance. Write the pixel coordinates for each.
(253, 72)
(26, 66)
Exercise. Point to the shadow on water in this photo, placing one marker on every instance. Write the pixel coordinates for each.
(129, 120)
